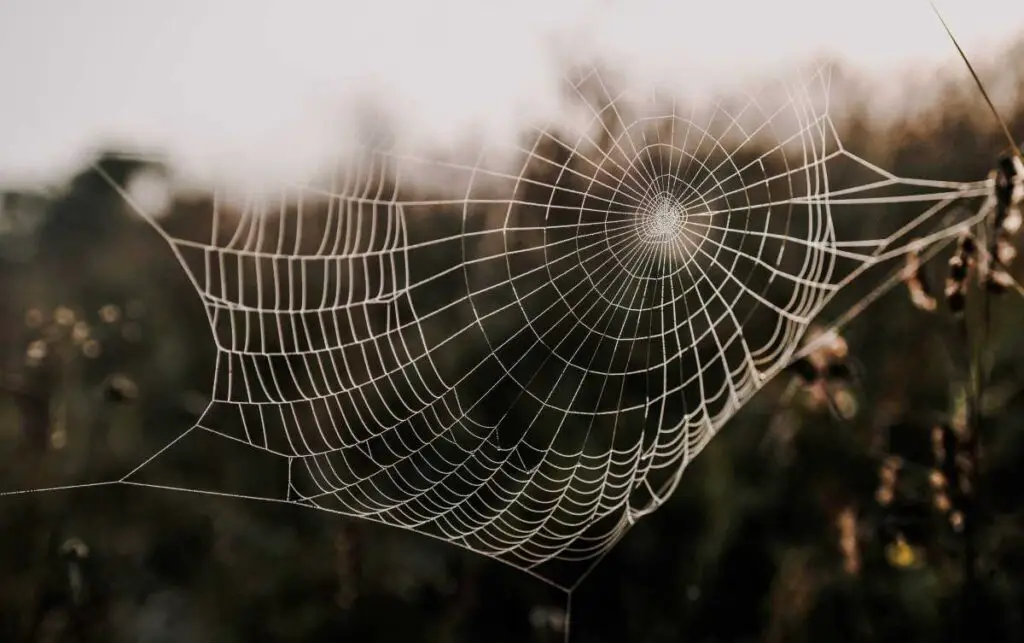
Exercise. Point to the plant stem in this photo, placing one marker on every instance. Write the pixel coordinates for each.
(972, 499)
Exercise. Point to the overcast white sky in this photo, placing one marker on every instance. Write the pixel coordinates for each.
(256, 86)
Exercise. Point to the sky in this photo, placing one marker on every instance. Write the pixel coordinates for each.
(269, 88)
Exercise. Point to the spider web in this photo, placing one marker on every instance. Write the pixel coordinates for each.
(524, 360)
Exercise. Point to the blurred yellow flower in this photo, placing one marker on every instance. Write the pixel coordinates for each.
(900, 554)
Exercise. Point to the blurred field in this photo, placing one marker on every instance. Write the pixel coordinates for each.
(776, 533)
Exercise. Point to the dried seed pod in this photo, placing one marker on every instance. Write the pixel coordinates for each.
(120, 388)
(805, 370)
(887, 475)
(920, 289)
(1013, 220)
(967, 246)
(841, 371)
(825, 374)
(959, 270)
(110, 314)
(846, 523)
(1007, 175)
(1006, 221)
(1005, 250)
(883, 496)
(938, 444)
(956, 296)
(963, 463)
(922, 300)
(894, 462)
(63, 316)
(999, 281)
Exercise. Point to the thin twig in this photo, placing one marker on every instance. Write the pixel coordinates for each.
(977, 81)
